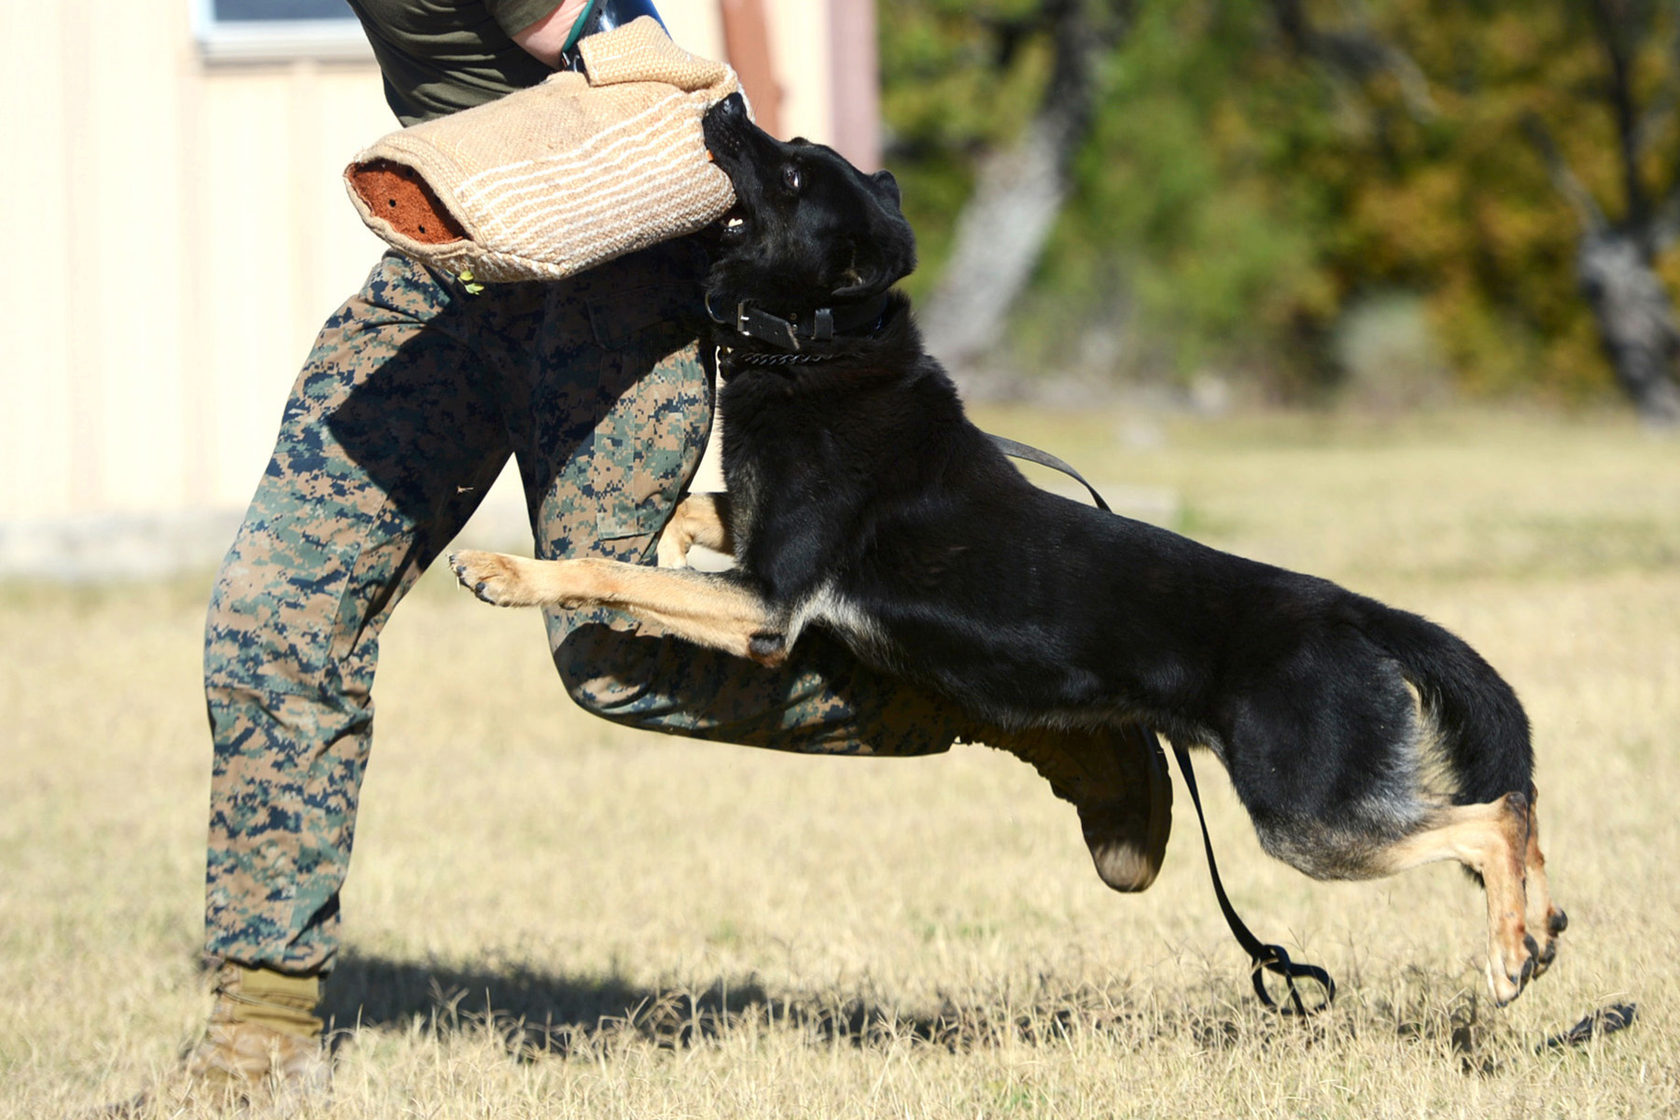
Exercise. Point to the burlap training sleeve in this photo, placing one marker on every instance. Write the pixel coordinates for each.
(552, 180)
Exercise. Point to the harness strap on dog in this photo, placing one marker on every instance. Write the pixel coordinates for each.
(1031, 454)
(1264, 958)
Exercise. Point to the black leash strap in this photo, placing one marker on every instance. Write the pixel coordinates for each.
(1264, 958)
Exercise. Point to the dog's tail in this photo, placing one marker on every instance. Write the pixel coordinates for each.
(1481, 726)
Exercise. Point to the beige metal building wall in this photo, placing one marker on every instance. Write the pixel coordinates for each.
(177, 232)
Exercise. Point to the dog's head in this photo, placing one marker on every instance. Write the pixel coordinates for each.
(808, 229)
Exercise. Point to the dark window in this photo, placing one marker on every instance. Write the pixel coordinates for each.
(243, 11)
(276, 30)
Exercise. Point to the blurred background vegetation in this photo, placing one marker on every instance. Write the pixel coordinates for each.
(1393, 202)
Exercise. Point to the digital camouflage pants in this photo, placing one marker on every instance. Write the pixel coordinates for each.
(415, 395)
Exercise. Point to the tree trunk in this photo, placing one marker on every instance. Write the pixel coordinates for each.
(1019, 190)
(999, 236)
(1635, 321)
(1614, 260)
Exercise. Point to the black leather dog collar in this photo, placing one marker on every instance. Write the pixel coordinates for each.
(822, 324)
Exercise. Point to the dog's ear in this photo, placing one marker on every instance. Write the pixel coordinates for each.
(887, 252)
(887, 186)
(877, 264)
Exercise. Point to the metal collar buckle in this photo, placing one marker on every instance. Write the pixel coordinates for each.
(755, 322)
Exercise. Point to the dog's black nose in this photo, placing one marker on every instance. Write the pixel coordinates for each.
(730, 107)
(724, 124)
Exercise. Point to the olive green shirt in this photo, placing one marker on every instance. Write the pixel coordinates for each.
(439, 56)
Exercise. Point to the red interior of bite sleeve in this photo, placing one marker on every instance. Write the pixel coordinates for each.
(401, 197)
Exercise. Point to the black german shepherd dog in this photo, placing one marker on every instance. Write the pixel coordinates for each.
(1361, 739)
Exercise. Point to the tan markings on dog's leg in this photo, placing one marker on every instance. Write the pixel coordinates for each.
(1492, 840)
(703, 607)
(701, 519)
(1545, 919)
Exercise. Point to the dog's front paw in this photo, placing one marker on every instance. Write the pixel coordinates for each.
(673, 546)
(494, 577)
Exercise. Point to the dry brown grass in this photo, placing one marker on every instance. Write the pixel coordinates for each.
(552, 917)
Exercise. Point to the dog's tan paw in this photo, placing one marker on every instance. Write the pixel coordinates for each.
(1509, 972)
(494, 577)
(1555, 922)
(673, 546)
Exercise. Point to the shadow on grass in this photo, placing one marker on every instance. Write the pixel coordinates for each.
(534, 1013)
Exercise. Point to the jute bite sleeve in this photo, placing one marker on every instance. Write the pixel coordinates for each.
(552, 180)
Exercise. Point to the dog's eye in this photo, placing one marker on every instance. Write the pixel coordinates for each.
(791, 179)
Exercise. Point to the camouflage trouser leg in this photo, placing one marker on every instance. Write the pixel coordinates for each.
(405, 412)
(389, 438)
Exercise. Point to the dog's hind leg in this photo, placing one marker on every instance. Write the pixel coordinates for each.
(1117, 780)
(1493, 841)
(708, 608)
(1545, 918)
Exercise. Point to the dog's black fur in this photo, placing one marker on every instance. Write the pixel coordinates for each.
(1362, 740)
(858, 480)
(863, 501)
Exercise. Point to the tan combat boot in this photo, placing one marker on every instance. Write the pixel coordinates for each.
(263, 1041)
(1117, 780)
(261, 1052)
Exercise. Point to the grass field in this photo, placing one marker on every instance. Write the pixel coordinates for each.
(552, 917)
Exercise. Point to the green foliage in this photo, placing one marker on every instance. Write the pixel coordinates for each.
(946, 97)
(1185, 180)
(1234, 199)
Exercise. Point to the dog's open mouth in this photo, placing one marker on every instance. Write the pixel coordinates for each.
(734, 222)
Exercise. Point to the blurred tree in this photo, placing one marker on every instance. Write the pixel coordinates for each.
(1540, 114)
(1020, 185)
(1189, 238)
(1138, 159)
(1616, 260)
(1252, 169)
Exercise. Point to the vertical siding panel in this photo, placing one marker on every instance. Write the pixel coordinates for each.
(303, 168)
(35, 287)
(197, 385)
(854, 84)
(139, 286)
(180, 232)
(286, 247)
(695, 25)
(347, 115)
(83, 234)
(246, 266)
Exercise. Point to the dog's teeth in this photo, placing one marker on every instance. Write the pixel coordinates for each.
(735, 223)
